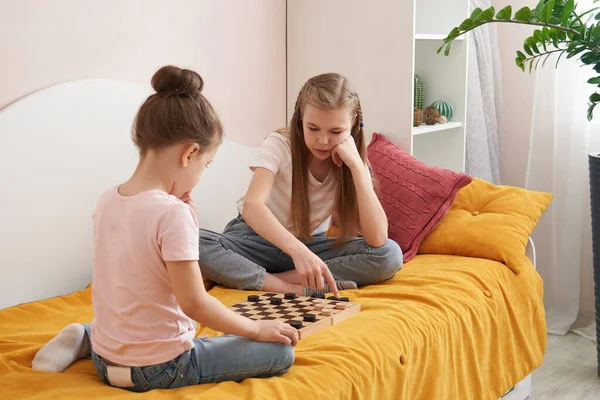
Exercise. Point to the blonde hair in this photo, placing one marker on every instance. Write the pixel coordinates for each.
(325, 91)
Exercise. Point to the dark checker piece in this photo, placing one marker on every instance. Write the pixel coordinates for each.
(296, 324)
(310, 317)
(344, 299)
(253, 298)
(290, 296)
(332, 298)
(276, 300)
(318, 295)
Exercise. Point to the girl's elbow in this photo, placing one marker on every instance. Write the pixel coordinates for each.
(377, 240)
(248, 209)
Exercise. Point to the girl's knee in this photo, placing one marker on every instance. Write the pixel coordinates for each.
(391, 258)
(285, 359)
(208, 244)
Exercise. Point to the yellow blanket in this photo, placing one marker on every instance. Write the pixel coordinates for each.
(446, 327)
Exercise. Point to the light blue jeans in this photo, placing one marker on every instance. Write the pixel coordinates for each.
(223, 358)
(239, 258)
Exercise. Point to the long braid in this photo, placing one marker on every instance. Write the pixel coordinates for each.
(359, 114)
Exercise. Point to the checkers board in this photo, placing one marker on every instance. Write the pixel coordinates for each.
(294, 311)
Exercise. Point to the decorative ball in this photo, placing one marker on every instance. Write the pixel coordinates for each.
(444, 108)
(419, 92)
(431, 115)
(417, 117)
(442, 120)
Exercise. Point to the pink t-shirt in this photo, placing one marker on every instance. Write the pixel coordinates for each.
(138, 321)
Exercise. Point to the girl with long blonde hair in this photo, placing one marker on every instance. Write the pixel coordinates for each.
(304, 176)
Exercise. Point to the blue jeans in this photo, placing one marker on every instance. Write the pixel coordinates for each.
(239, 258)
(223, 358)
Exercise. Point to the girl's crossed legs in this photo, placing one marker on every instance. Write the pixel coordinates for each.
(223, 358)
(241, 259)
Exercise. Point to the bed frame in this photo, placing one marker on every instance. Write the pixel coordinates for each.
(62, 147)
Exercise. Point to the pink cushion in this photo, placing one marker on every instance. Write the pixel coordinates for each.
(414, 195)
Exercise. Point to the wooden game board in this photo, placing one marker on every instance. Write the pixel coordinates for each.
(294, 310)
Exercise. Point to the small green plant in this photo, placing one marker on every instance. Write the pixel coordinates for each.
(563, 30)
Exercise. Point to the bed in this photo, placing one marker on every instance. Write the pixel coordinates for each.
(445, 327)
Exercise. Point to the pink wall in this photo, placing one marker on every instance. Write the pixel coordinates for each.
(237, 46)
(518, 98)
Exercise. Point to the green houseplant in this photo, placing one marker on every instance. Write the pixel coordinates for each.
(561, 30)
(564, 31)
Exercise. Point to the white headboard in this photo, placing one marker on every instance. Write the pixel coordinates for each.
(60, 148)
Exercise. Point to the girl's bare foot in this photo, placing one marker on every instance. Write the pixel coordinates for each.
(277, 285)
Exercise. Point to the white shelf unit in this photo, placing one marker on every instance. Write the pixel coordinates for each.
(424, 128)
(426, 36)
(445, 78)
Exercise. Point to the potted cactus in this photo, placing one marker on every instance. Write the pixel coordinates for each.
(563, 31)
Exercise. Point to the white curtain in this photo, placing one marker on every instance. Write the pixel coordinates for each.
(561, 138)
(484, 101)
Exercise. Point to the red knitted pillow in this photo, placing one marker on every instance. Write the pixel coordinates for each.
(414, 195)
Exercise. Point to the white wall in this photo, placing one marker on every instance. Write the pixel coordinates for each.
(517, 90)
(43, 43)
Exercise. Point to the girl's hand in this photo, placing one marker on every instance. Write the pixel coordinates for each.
(346, 153)
(313, 271)
(276, 331)
(187, 199)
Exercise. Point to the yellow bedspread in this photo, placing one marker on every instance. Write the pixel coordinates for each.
(446, 327)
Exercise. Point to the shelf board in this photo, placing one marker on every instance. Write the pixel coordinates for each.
(423, 129)
(428, 36)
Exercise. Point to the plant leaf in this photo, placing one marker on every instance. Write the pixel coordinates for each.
(523, 15)
(546, 34)
(554, 37)
(521, 56)
(527, 49)
(485, 16)
(559, 57)
(448, 46)
(530, 41)
(590, 112)
(595, 98)
(530, 65)
(537, 35)
(476, 12)
(594, 81)
(539, 38)
(575, 52)
(519, 63)
(547, 11)
(466, 25)
(537, 11)
(505, 14)
(590, 57)
(566, 12)
(580, 17)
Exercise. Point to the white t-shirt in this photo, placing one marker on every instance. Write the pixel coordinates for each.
(276, 155)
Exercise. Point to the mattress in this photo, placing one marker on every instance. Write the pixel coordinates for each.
(445, 327)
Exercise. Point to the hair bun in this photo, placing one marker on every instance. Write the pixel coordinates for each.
(174, 79)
